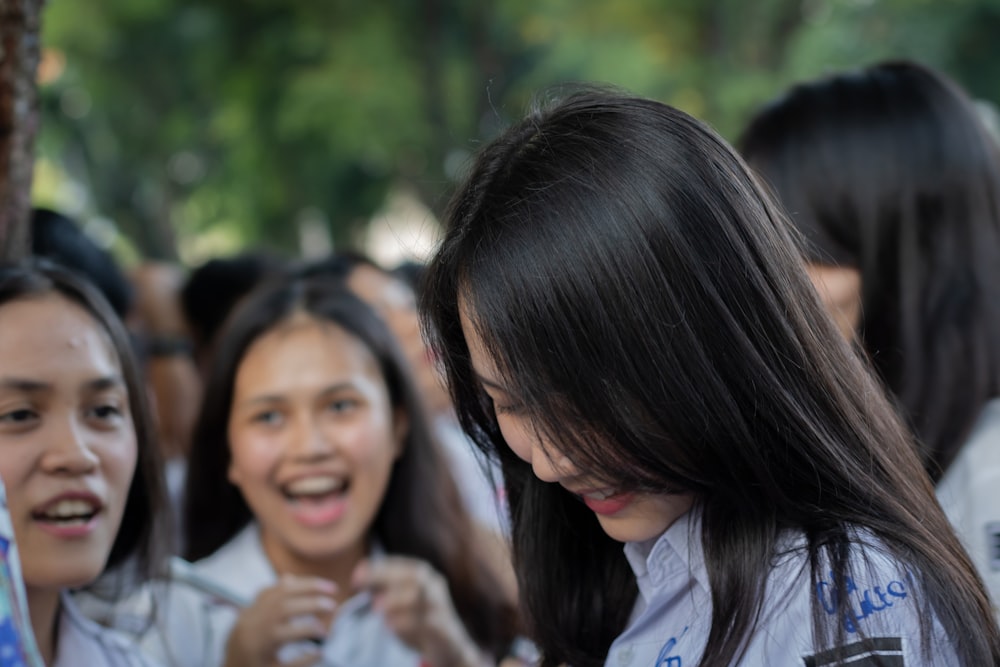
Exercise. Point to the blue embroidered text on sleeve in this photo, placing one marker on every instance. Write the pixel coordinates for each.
(861, 604)
(664, 659)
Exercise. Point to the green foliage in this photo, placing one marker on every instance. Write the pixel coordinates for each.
(204, 126)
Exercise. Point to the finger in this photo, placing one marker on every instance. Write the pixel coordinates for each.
(361, 576)
(393, 571)
(407, 597)
(299, 629)
(404, 623)
(315, 605)
(293, 585)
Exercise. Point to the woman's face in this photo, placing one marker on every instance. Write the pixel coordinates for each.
(313, 437)
(839, 289)
(624, 516)
(67, 442)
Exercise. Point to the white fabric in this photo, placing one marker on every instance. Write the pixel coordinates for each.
(84, 643)
(969, 492)
(192, 627)
(673, 613)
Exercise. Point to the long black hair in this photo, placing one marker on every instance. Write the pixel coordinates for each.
(646, 302)
(420, 515)
(142, 536)
(890, 170)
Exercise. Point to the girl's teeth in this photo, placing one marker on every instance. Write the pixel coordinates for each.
(65, 509)
(311, 486)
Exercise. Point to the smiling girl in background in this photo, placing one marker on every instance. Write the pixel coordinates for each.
(625, 322)
(317, 499)
(76, 457)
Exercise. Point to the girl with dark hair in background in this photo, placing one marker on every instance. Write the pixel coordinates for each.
(625, 322)
(78, 459)
(318, 500)
(895, 183)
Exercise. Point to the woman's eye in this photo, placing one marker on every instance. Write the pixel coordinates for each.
(106, 415)
(19, 416)
(342, 405)
(507, 408)
(504, 406)
(268, 417)
(106, 411)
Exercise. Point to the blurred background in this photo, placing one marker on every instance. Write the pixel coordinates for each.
(182, 130)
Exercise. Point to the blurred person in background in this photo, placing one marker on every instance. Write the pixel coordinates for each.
(61, 240)
(213, 289)
(894, 182)
(318, 500)
(394, 298)
(167, 354)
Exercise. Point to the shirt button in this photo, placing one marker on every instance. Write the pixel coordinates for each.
(625, 655)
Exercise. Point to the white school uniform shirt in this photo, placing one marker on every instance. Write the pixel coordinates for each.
(84, 643)
(673, 613)
(191, 627)
(969, 492)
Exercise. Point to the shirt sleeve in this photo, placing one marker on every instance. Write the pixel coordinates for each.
(881, 621)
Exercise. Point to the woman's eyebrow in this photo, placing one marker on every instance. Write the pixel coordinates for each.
(105, 383)
(336, 388)
(24, 385)
(260, 399)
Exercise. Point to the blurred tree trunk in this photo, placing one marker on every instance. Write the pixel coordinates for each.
(20, 21)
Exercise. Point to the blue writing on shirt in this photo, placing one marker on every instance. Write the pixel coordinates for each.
(862, 603)
(664, 659)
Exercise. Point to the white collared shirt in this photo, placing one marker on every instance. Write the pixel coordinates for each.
(191, 627)
(84, 643)
(969, 492)
(673, 612)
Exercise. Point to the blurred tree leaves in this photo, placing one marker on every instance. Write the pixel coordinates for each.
(227, 119)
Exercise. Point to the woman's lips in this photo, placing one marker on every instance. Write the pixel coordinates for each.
(608, 506)
(69, 515)
(606, 502)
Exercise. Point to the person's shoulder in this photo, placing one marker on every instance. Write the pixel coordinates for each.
(882, 592)
(878, 608)
(975, 471)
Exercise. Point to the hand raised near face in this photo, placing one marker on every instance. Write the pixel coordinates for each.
(293, 610)
(416, 604)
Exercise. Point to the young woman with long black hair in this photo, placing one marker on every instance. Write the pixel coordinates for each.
(78, 459)
(625, 321)
(319, 504)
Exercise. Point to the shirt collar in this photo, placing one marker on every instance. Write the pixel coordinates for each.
(242, 565)
(670, 560)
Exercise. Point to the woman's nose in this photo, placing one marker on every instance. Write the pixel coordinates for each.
(549, 464)
(68, 450)
(311, 441)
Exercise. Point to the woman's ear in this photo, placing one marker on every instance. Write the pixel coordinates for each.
(400, 429)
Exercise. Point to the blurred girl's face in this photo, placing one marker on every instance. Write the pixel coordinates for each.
(625, 516)
(839, 289)
(67, 442)
(313, 437)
